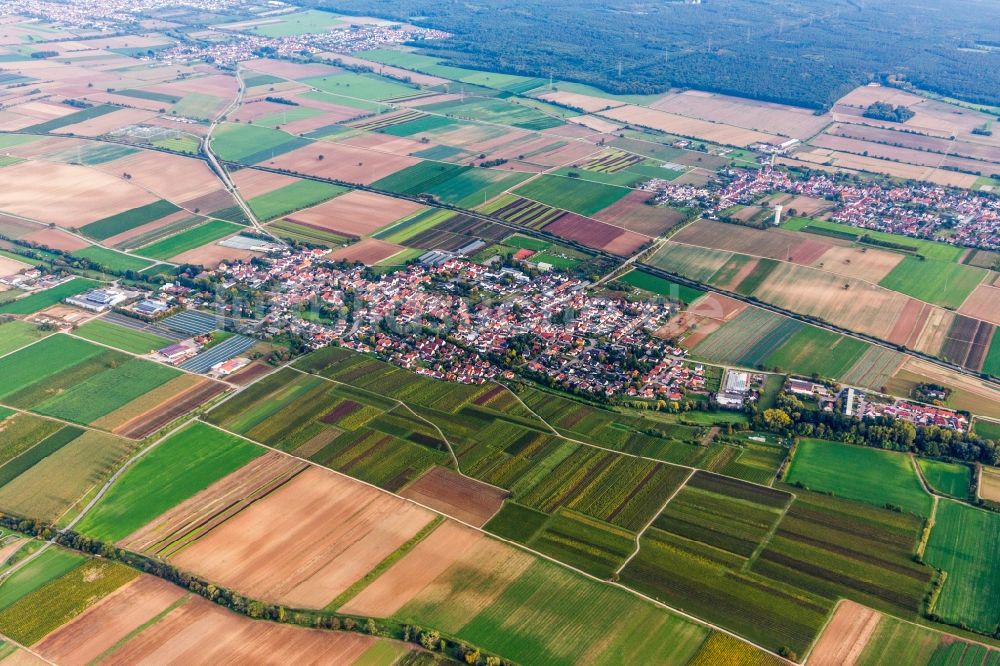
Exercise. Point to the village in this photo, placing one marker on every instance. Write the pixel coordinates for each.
(468, 323)
(919, 210)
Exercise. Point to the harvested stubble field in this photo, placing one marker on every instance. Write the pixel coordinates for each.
(692, 262)
(335, 530)
(751, 114)
(846, 636)
(196, 516)
(446, 491)
(369, 251)
(672, 123)
(342, 162)
(632, 213)
(66, 195)
(198, 630)
(356, 213)
(982, 304)
(861, 306)
(773, 243)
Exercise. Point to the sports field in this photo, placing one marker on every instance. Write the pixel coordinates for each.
(855, 472)
(176, 469)
(964, 542)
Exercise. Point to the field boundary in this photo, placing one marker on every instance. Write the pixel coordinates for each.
(638, 535)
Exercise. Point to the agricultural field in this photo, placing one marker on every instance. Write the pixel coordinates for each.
(696, 555)
(989, 484)
(582, 197)
(130, 219)
(36, 614)
(657, 285)
(16, 334)
(176, 469)
(120, 337)
(47, 566)
(40, 300)
(520, 606)
(817, 351)
(290, 198)
(56, 474)
(952, 479)
(895, 639)
(749, 339)
(938, 282)
(860, 473)
(247, 144)
(963, 542)
(190, 239)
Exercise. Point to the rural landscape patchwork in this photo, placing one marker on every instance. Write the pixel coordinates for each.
(370, 332)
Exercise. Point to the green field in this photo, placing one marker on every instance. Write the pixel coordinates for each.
(43, 299)
(658, 285)
(105, 391)
(950, 479)
(939, 282)
(248, 144)
(129, 219)
(499, 111)
(188, 240)
(991, 365)
(111, 260)
(293, 197)
(46, 358)
(198, 105)
(15, 334)
(987, 429)
(583, 197)
(71, 119)
(48, 566)
(817, 351)
(37, 614)
(860, 473)
(368, 87)
(120, 337)
(965, 542)
(929, 249)
(176, 469)
(528, 620)
(57, 482)
(301, 23)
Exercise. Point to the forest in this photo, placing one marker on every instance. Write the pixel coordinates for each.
(802, 52)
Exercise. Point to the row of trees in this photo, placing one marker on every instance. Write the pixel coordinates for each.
(429, 639)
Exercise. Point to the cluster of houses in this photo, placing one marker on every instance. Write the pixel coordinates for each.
(233, 44)
(919, 210)
(862, 405)
(467, 322)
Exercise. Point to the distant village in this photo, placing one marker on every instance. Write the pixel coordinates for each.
(919, 210)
